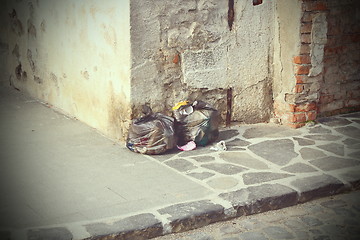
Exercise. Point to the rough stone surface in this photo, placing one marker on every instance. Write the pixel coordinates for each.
(336, 148)
(278, 233)
(271, 132)
(335, 217)
(317, 186)
(260, 177)
(311, 153)
(223, 182)
(355, 155)
(332, 163)
(351, 141)
(319, 129)
(204, 69)
(284, 154)
(318, 41)
(50, 233)
(243, 159)
(299, 168)
(311, 221)
(181, 164)
(350, 131)
(326, 137)
(188, 51)
(237, 143)
(202, 175)
(333, 121)
(252, 236)
(261, 198)
(304, 142)
(192, 215)
(142, 226)
(224, 168)
(204, 158)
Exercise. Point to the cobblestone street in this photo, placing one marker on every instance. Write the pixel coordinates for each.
(336, 217)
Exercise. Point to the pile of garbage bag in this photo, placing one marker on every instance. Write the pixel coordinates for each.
(192, 124)
(153, 133)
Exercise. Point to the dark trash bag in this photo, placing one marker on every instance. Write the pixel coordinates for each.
(152, 134)
(198, 122)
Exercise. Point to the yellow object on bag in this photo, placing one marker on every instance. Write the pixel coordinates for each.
(179, 104)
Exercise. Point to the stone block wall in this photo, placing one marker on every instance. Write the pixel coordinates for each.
(186, 49)
(327, 67)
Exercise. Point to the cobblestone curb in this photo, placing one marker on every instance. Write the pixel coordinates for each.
(187, 216)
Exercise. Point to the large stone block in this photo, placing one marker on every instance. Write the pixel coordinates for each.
(261, 198)
(204, 68)
(187, 216)
(317, 186)
(142, 226)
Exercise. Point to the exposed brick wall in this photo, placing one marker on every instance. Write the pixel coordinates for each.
(327, 67)
(340, 91)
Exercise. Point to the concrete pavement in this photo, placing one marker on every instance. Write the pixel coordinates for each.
(61, 179)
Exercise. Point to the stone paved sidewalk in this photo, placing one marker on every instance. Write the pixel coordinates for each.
(266, 167)
(305, 159)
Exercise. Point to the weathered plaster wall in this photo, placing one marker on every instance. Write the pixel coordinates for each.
(286, 46)
(184, 49)
(75, 55)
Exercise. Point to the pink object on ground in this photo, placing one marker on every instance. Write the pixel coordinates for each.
(188, 147)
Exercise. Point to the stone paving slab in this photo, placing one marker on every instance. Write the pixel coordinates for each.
(265, 167)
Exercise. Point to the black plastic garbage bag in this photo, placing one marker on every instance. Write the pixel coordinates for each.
(197, 121)
(152, 134)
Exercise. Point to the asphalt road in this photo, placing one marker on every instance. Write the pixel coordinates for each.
(335, 217)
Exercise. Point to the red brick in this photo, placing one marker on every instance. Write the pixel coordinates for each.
(297, 117)
(334, 50)
(295, 125)
(302, 59)
(302, 69)
(300, 78)
(306, 27)
(326, 99)
(311, 116)
(305, 38)
(300, 117)
(307, 17)
(299, 88)
(176, 59)
(315, 6)
(306, 107)
(305, 49)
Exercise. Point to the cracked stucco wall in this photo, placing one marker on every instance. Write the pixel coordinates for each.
(74, 55)
(184, 49)
(286, 46)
